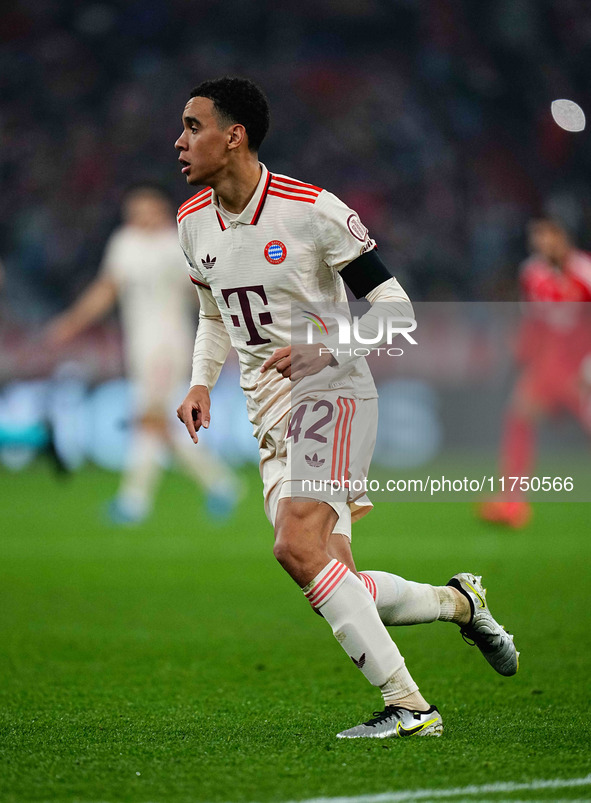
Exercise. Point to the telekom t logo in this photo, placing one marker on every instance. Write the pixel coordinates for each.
(264, 317)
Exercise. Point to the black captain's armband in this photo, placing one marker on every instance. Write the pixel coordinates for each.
(365, 273)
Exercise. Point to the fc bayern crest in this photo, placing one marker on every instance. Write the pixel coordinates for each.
(275, 252)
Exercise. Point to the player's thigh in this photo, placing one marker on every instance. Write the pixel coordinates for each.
(304, 525)
(154, 421)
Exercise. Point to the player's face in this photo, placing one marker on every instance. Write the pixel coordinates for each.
(203, 145)
(147, 211)
(548, 241)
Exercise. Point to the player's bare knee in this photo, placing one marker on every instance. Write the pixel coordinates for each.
(290, 559)
(284, 554)
(297, 544)
(302, 529)
(154, 421)
(292, 549)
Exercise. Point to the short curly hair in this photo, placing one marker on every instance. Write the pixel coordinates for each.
(238, 100)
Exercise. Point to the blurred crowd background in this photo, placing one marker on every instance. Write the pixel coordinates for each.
(430, 117)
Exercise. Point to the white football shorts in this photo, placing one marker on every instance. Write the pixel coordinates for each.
(321, 450)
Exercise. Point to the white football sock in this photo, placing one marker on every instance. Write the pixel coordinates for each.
(404, 602)
(453, 606)
(349, 608)
(143, 470)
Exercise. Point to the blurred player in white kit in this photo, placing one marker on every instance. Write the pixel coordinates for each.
(144, 270)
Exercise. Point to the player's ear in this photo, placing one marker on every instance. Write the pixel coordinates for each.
(236, 136)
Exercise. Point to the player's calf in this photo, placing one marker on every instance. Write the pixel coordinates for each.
(404, 602)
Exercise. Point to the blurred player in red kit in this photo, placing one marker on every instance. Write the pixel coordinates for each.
(554, 352)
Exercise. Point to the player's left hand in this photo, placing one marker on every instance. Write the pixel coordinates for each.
(298, 361)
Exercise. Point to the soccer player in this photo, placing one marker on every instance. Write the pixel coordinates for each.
(144, 269)
(553, 350)
(257, 243)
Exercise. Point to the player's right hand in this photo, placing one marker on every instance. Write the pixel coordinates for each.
(194, 411)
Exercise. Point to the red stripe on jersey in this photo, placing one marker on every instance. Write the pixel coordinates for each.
(295, 193)
(296, 190)
(293, 197)
(296, 183)
(194, 198)
(340, 576)
(194, 204)
(201, 196)
(201, 284)
(220, 221)
(194, 209)
(259, 209)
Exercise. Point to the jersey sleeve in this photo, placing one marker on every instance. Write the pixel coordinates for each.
(195, 274)
(212, 342)
(339, 234)
(208, 307)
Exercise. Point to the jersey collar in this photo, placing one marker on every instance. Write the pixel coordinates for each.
(252, 212)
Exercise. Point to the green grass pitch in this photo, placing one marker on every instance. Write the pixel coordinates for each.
(176, 662)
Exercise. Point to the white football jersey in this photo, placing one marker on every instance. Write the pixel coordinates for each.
(157, 316)
(283, 252)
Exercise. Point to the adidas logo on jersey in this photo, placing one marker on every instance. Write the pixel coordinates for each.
(208, 262)
(314, 461)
